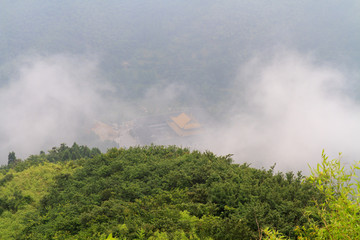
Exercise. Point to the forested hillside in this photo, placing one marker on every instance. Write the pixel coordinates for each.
(268, 82)
(158, 192)
(147, 192)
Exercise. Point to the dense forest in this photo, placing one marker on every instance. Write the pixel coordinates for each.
(158, 192)
(268, 82)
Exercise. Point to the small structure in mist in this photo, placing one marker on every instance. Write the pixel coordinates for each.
(173, 128)
(184, 125)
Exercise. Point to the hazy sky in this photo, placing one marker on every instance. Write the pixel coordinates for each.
(284, 75)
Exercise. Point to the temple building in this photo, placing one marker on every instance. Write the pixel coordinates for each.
(173, 128)
(184, 125)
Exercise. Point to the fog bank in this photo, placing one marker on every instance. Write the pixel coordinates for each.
(288, 109)
(283, 107)
(48, 101)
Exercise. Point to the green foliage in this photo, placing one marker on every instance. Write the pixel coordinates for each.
(5, 179)
(338, 216)
(56, 154)
(20, 194)
(158, 192)
(64, 153)
(169, 193)
(271, 234)
(11, 158)
(110, 237)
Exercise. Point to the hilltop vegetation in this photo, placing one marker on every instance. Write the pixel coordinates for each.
(147, 192)
(157, 192)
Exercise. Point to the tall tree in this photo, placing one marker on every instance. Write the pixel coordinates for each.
(11, 158)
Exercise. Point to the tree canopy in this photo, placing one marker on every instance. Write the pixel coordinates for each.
(151, 192)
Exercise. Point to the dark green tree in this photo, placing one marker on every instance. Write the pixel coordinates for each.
(12, 158)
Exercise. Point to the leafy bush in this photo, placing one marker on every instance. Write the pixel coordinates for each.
(173, 192)
(338, 217)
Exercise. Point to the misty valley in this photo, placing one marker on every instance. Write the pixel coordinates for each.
(179, 120)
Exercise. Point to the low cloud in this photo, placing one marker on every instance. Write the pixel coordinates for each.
(48, 101)
(290, 108)
(287, 108)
